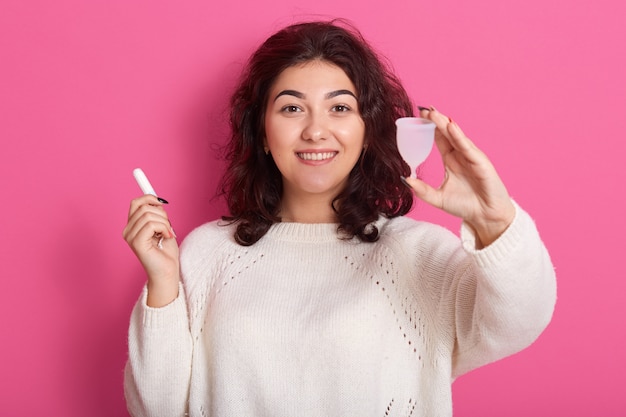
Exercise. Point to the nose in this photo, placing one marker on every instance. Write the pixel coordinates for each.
(316, 128)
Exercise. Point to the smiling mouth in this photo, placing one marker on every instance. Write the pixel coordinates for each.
(316, 156)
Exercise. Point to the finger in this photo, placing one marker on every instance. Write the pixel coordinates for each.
(147, 208)
(442, 136)
(451, 135)
(147, 199)
(145, 228)
(147, 235)
(157, 254)
(423, 112)
(458, 139)
(440, 119)
(425, 192)
(148, 214)
(145, 204)
(465, 146)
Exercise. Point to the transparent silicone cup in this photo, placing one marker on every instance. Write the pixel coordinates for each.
(415, 137)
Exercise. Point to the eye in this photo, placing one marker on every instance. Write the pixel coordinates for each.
(291, 109)
(340, 108)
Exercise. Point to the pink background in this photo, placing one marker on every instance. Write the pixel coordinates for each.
(91, 90)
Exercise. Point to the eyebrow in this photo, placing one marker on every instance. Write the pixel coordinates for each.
(328, 96)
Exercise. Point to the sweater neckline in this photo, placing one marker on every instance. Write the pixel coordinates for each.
(304, 232)
(311, 232)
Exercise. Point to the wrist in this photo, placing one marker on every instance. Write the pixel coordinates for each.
(489, 230)
(162, 292)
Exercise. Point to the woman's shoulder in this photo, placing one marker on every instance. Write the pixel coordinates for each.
(402, 228)
(406, 236)
(208, 237)
(212, 228)
(205, 249)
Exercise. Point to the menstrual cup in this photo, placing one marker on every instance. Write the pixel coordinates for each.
(415, 138)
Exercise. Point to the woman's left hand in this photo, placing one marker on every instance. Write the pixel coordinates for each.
(471, 189)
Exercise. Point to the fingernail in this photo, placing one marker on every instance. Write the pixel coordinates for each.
(173, 233)
(162, 200)
(432, 108)
(450, 119)
(420, 108)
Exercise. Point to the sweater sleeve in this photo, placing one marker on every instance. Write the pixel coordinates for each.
(505, 297)
(158, 371)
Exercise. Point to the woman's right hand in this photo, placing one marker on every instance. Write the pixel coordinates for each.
(148, 225)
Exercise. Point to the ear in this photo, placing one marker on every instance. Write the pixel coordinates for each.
(266, 148)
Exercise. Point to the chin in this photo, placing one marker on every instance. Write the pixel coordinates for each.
(321, 189)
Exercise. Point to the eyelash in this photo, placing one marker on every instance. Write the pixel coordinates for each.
(339, 108)
(343, 107)
(290, 109)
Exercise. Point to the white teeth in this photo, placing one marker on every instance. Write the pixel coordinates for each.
(316, 156)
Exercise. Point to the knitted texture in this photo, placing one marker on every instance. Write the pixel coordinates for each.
(305, 324)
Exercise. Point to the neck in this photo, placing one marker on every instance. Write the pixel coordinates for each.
(307, 209)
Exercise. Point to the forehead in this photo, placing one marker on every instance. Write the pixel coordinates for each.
(313, 75)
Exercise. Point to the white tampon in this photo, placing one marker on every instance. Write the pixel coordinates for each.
(145, 185)
(146, 188)
(143, 182)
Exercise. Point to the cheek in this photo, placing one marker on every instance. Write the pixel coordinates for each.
(354, 136)
(281, 133)
(271, 124)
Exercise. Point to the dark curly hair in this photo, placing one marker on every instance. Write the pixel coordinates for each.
(252, 184)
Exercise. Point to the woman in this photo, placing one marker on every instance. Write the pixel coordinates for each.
(315, 296)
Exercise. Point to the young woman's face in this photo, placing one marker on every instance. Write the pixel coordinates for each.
(314, 129)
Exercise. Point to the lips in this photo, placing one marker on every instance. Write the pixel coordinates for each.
(316, 156)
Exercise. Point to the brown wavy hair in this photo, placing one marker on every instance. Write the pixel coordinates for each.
(252, 184)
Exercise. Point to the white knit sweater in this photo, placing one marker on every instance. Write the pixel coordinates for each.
(305, 324)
